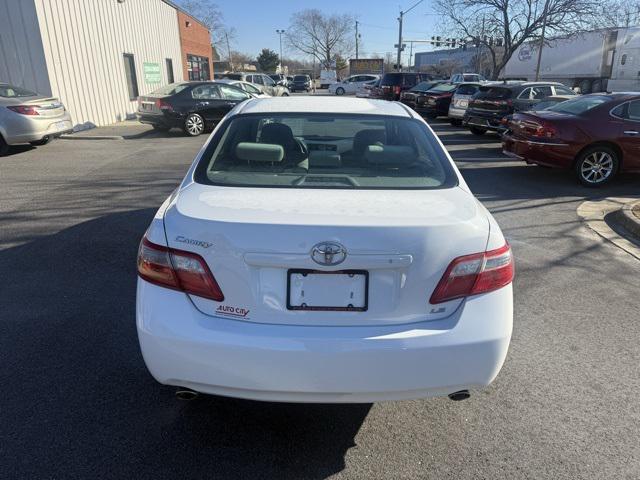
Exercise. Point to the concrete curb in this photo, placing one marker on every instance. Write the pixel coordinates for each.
(596, 215)
(106, 137)
(628, 220)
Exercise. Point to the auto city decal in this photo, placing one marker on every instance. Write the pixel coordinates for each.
(231, 311)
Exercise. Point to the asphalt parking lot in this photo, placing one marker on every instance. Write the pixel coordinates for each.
(79, 403)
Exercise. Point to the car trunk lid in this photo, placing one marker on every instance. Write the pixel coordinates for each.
(401, 241)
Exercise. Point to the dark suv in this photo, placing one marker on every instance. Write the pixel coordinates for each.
(393, 84)
(495, 101)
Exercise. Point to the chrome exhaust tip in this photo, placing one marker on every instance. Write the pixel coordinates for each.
(461, 395)
(186, 394)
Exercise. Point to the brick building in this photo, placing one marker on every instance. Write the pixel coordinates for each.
(195, 43)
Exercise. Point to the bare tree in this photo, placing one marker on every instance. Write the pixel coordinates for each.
(321, 36)
(620, 13)
(502, 26)
(209, 13)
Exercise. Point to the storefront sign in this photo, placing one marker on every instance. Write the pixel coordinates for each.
(151, 72)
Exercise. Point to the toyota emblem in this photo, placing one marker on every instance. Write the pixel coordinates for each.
(328, 253)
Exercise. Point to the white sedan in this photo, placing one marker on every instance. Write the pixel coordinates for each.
(352, 84)
(323, 251)
(246, 86)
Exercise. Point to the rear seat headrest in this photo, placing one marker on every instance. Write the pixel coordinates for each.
(392, 155)
(259, 152)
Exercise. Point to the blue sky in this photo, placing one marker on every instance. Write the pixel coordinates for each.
(255, 22)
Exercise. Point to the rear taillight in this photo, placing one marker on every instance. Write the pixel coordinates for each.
(163, 105)
(25, 109)
(178, 270)
(544, 131)
(475, 274)
(397, 89)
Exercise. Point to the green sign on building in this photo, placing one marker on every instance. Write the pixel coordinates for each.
(151, 72)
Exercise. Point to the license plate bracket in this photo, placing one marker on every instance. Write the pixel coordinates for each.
(315, 290)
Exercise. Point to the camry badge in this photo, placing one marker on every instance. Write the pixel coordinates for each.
(328, 253)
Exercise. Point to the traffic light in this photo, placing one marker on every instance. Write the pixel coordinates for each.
(437, 41)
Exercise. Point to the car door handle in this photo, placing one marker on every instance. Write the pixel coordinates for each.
(630, 132)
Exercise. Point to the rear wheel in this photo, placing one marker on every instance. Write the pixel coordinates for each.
(456, 122)
(193, 125)
(478, 130)
(4, 147)
(597, 166)
(339, 91)
(585, 86)
(41, 142)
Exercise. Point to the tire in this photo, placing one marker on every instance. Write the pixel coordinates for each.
(39, 143)
(585, 86)
(478, 130)
(339, 91)
(193, 125)
(596, 166)
(597, 86)
(285, 94)
(456, 122)
(4, 147)
(161, 128)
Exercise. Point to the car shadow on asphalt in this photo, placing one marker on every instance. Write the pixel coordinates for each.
(80, 403)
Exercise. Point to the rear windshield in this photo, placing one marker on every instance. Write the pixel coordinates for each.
(494, 92)
(444, 87)
(576, 106)
(300, 78)
(325, 151)
(233, 76)
(9, 91)
(472, 78)
(171, 89)
(467, 89)
(423, 86)
(393, 79)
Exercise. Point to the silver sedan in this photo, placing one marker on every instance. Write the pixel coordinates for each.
(26, 117)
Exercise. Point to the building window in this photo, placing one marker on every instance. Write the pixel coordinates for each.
(169, 63)
(197, 67)
(132, 80)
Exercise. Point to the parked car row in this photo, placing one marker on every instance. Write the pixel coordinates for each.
(544, 123)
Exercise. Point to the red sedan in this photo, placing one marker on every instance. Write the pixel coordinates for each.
(596, 135)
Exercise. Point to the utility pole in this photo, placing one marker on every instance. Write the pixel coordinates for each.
(280, 32)
(357, 36)
(544, 26)
(226, 36)
(399, 57)
(400, 19)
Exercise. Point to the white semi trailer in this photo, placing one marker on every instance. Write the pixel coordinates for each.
(602, 60)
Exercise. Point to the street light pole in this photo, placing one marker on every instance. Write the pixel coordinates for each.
(400, 19)
(544, 26)
(280, 32)
(399, 56)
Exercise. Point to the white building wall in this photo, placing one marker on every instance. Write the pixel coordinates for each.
(22, 61)
(84, 42)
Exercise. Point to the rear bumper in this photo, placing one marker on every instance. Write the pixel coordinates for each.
(457, 113)
(184, 347)
(550, 154)
(24, 128)
(159, 119)
(482, 120)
